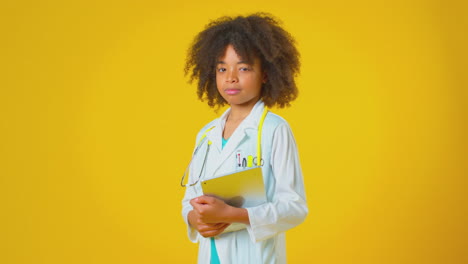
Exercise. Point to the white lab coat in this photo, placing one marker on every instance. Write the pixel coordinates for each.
(263, 241)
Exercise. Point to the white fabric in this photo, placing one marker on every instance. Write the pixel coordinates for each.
(263, 241)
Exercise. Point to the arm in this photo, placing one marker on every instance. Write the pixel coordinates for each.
(211, 216)
(287, 207)
(192, 218)
(196, 222)
(213, 210)
(205, 229)
(190, 193)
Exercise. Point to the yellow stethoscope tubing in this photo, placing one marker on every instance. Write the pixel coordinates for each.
(259, 137)
(200, 141)
(203, 137)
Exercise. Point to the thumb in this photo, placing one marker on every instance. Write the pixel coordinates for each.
(204, 199)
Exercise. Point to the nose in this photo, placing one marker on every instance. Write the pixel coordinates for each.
(232, 76)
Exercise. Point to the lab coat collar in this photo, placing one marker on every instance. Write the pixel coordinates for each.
(215, 135)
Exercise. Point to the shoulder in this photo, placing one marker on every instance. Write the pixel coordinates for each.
(273, 121)
(277, 129)
(206, 127)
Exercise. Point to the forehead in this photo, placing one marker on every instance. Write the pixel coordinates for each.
(230, 54)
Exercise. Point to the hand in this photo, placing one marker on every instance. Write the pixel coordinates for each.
(210, 209)
(205, 229)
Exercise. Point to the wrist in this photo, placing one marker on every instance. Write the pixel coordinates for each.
(237, 215)
(189, 218)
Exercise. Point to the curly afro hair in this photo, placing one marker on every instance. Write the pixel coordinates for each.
(255, 36)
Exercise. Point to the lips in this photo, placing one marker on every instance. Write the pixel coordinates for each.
(232, 91)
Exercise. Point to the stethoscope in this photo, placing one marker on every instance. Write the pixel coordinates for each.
(203, 138)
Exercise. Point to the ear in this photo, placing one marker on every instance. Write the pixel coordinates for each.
(265, 77)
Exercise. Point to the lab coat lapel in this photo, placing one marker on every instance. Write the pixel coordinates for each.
(230, 147)
(223, 154)
(250, 122)
(216, 133)
(215, 136)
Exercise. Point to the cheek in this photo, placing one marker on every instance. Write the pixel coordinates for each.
(219, 85)
(254, 82)
(218, 82)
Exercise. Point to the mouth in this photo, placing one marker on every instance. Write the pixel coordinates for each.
(231, 91)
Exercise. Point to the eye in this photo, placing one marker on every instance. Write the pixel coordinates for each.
(221, 70)
(244, 69)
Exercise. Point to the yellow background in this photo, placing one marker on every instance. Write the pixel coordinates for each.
(97, 123)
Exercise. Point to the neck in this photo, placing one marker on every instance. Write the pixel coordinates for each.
(239, 113)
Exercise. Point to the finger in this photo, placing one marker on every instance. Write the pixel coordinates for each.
(193, 202)
(215, 232)
(223, 226)
(209, 233)
(196, 206)
(216, 226)
(207, 228)
(196, 215)
(205, 199)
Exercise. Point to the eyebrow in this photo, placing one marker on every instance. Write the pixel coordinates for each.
(240, 62)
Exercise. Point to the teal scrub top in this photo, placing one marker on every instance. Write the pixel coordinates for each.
(214, 252)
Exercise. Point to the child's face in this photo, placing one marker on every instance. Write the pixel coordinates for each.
(238, 82)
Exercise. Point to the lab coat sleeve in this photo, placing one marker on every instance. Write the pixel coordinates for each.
(186, 208)
(190, 193)
(288, 207)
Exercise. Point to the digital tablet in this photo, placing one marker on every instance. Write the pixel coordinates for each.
(240, 189)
